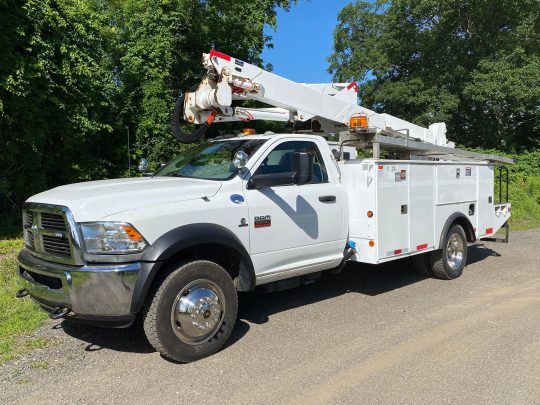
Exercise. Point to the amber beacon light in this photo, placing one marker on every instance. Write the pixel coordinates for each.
(358, 122)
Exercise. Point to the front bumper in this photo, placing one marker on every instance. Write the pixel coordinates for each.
(99, 294)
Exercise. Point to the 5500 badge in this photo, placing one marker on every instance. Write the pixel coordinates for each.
(262, 221)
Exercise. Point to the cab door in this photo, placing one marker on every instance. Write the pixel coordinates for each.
(295, 227)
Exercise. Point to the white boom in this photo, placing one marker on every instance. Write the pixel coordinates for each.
(322, 108)
(331, 105)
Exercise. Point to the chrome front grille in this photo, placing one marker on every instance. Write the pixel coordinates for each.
(28, 218)
(53, 221)
(55, 245)
(50, 233)
(29, 241)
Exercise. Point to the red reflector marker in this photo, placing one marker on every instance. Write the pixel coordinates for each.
(397, 251)
(423, 246)
(489, 230)
(219, 55)
(381, 167)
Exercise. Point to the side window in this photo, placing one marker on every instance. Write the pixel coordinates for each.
(279, 160)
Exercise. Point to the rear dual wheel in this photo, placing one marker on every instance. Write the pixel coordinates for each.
(449, 261)
(193, 311)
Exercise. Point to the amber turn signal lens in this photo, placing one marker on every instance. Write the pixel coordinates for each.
(370, 214)
(132, 233)
(249, 131)
(371, 243)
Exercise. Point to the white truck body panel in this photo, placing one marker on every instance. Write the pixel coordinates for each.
(95, 200)
(411, 202)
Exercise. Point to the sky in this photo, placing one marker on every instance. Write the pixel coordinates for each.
(304, 40)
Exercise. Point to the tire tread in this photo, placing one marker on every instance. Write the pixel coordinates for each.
(150, 310)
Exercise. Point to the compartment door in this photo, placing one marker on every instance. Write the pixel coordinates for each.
(422, 215)
(392, 210)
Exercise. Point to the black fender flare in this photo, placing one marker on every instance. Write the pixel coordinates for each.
(183, 237)
(461, 219)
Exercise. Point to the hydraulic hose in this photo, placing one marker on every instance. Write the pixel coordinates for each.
(177, 114)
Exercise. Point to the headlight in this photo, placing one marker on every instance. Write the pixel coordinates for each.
(111, 238)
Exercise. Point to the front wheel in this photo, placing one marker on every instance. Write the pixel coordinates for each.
(192, 313)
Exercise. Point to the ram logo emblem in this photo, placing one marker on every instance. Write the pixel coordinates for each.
(262, 221)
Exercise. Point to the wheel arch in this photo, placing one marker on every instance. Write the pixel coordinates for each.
(201, 241)
(460, 219)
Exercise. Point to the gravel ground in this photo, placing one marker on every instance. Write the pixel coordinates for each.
(370, 335)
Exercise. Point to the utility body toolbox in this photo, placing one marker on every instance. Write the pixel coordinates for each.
(399, 208)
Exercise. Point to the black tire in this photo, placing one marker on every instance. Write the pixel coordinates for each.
(422, 263)
(443, 266)
(167, 334)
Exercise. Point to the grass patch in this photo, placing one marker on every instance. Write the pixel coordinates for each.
(18, 317)
(524, 194)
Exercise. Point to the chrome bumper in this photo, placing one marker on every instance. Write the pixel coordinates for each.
(93, 292)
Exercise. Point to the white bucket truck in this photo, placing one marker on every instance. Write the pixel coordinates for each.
(250, 210)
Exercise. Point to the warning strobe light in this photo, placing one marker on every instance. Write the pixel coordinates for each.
(358, 122)
(249, 131)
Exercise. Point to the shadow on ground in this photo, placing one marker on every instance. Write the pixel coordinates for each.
(256, 307)
(479, 252)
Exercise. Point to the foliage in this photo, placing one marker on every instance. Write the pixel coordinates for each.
(472, 64)
(524, 187)
(524, 190)
(56, 93)
(77, 75)
(159, 51)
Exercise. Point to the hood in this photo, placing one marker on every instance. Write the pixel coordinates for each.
(94, 200)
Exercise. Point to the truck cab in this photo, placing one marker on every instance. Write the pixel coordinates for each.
(225, 216)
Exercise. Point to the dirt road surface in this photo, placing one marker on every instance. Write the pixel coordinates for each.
(370, 335)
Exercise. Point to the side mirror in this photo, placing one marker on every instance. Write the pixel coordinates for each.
(270, 180)
(240, 159)
(302, 165)
(301, 173)
(143, 165)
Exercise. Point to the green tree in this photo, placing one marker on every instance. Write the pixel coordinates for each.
(160, 48)
(473, 64)
(74, 74)
(56, 93)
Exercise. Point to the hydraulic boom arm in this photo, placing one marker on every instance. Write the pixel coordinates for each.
(330, 107)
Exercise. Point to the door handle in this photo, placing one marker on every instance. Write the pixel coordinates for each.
(327, 198)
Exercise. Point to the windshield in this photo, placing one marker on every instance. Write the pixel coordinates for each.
(210, 160)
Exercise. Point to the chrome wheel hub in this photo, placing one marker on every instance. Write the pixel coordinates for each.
(455, 249)
(197, 312)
